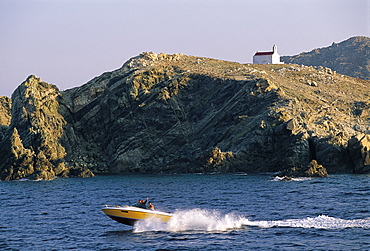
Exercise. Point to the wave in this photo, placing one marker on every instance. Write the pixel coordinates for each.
(212, 220)
(286, 178)
(32, 180)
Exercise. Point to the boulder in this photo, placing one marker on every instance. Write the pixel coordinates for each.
(313, 169)
(316, 170)
(216, 161)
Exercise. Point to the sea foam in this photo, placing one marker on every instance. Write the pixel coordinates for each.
(194, 220)
(212, 220)
(319, 222)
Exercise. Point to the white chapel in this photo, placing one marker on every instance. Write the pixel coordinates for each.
(267, 57)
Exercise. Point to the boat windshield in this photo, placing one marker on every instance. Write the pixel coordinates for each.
(140, 205)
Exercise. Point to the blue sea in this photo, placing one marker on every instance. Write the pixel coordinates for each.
(211, 212)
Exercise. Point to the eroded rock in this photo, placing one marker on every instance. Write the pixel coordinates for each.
(33, 149)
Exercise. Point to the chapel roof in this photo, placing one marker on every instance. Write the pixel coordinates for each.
(263, 53)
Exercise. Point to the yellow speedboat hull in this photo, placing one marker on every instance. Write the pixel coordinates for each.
(129, 215)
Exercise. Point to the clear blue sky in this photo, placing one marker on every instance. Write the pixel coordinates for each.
(68, 42)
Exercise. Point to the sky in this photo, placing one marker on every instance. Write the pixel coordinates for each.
(69, 42)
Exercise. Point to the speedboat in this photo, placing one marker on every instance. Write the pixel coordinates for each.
(128, 215)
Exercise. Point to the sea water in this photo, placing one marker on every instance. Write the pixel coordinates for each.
(210, 212)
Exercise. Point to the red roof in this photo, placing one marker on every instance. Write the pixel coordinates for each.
(264, 53)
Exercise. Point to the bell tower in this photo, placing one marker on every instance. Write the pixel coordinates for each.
(274, 48)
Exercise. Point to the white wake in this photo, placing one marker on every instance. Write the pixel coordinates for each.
(212, 220)
(319, 222)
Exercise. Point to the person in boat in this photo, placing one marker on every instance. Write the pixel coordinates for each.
(141, 204)
(150, 205)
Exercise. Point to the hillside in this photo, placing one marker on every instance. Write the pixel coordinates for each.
(184, 114)
(350, 57)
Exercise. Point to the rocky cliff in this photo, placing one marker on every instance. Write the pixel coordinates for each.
(176, 113)
(5, 115)
(350, 57)
(31, 146)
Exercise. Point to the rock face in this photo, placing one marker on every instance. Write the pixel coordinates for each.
(176, 113)
(350, 57)
(32, 148)
(5, 115)
(359, 147)
(5, 110)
